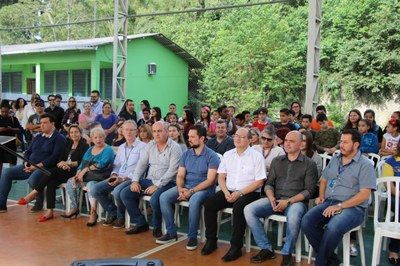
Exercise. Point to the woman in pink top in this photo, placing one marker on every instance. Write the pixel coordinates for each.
(86, 118)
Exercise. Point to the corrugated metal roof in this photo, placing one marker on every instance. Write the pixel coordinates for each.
(92, 44)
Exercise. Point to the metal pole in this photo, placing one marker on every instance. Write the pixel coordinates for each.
(120, 49)
(313, 55)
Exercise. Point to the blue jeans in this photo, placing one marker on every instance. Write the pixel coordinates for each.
(325, 233)
(131, 201)
(167, 200)
(101, 192)
(17, 173)
(75, 190)
(261, 209)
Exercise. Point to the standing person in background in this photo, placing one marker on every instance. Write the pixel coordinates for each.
(19, 112)
(352, 119)
(86, 118)
(391, 138)
(156, 114)
(262, 122)
(59, 101)
(29, 110)
(314, 125)
(284, 120)
(205, 120)
(172, 108)
(188, 121)
(145, 133)
(108, 122)
(9, 126)
(231, 111)
(230, 121)
(296, 107)
(247, 118)
(143, 105)
(97, 105)
(215, 116)
(128, 111)
(175, 133)
(56, 111)
(369, 141)
(375, 128)
(71, 115)
(33, 124)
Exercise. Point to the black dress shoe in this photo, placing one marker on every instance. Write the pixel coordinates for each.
(287, 260)
(138, 229)
(157, 233)
(209, 247)
(233, 254)
(37, 207)
(263, 255)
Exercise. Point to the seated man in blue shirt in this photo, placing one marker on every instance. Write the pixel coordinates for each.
(125, 163)
(291, 182)
(195, 182)
(345, 188)
(44, 151)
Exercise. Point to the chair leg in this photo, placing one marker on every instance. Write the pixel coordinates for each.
(298, 248)
(310, 251)
(346, 249)
(377, 248)
(280, 234)
(127, 219)
(202, 226)
(361, 243)
(248, 239)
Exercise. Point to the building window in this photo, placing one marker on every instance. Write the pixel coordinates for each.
(12, 82)
(81, 83)
(56, 82)
(106, 83)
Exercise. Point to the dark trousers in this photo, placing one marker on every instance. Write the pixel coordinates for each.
(217, 203)
(57, 177)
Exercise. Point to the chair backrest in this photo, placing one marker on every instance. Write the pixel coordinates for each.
(219, 156)
(325, 159)
(383, 193)
(336, 152)
(375, 157)
(384, 158)
(379, 168)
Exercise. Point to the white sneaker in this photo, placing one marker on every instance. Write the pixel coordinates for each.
(353, 250)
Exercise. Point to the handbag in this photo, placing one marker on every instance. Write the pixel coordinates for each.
(97, 174)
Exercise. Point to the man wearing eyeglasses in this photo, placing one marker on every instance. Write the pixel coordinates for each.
(56, 111)
(291, 181)
(97, 105)
(241, 174)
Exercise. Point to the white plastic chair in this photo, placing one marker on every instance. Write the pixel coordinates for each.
(143, 203)
(374, 157)
(281, 219)
(389, 226)
(247, 233)
(185, 203)
(325, 159)
(99, 208)
(379, 168)
(346, 246)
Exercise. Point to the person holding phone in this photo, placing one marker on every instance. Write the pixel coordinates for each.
(125, 162)
(291, 182)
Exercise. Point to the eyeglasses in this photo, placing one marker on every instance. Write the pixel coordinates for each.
(50, 100)
(39, 105)
(71, 101)
(240, 137)
(267, 139)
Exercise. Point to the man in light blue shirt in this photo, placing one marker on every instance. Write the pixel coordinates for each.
(345, 188)
(125, 163)
(97, 105)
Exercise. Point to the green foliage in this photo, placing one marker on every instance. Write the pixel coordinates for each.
(253, 56)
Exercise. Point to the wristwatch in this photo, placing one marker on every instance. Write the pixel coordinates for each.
(240, 193)
(192, 191)
(340, 205)
(288, 202)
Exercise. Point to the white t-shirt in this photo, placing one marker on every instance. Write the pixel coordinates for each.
(242, 170)
(391, 142)
(268, 157)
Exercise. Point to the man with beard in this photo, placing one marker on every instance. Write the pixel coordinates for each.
(195, 182)
(344, 190)
(97, 105)
(55, 110)
(221, 142)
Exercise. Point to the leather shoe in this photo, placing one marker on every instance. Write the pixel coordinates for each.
(263, 255)
(157, 233)
(287, 260)
(209, 247)
(138, 229)
(233, 254)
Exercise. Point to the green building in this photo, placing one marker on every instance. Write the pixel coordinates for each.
(157, 69)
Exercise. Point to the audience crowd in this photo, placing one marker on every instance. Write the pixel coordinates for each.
(225, 159)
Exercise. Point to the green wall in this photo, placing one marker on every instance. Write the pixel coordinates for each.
(169, 85)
